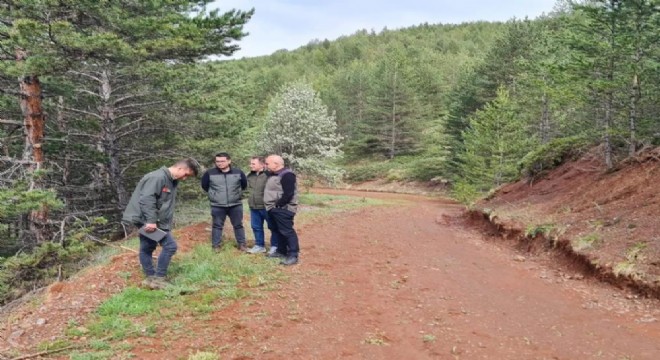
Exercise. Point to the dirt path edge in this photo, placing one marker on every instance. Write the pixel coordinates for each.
(560, 249)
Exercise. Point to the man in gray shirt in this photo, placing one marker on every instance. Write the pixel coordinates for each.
(224, 185)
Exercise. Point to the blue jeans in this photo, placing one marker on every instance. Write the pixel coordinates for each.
(147, 247)
(219, 214)
(282, 221)
(257, 218)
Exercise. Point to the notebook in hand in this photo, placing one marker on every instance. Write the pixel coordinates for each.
(156, 236)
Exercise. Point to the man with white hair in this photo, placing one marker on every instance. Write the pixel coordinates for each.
(281, 200)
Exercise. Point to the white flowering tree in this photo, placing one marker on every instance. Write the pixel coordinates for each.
(299, 127)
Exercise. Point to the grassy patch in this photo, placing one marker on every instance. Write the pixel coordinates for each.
(314, 206)
(586, 242)
(210, 280)
(201, 355)
(375, 339)
(633, 255)
(428, 338)
(542, 229)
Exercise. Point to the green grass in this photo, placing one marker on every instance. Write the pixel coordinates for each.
(633, 254)
(204, 356)
(132, 301)
(586, 242)
(314, 206)
(209, 280)
(543, 229)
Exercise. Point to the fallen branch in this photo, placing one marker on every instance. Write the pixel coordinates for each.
(90, 237)
(45, 352)
(70, 347)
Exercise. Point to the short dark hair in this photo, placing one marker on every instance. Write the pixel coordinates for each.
(224, 155)
(190, 163)
(260, 158)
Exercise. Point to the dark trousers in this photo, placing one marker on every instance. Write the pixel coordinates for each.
(219, 215)
(287, 237)
(147, 247)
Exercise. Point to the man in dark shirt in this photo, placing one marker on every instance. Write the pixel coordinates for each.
(281, 200)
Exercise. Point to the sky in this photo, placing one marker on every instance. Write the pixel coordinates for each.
(290, 24)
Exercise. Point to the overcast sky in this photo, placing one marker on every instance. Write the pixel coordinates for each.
(290, 24)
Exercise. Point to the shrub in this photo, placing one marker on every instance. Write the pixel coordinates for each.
(550, 155)
(25, 271)
(424, 169)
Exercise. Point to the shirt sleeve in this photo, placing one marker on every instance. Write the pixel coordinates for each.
(244, 182)
(149, 194)
(288, 182)
(205, 181)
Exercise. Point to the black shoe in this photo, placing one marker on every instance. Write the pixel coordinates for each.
(276, 255)
(242, 248)
(216, 249)
(290, 260)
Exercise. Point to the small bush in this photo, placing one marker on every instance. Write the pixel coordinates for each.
(364, 172)
(25, 271)
(465, 192)
(424, 169)
(550, 155)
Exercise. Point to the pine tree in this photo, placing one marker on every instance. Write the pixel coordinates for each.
(495, 141)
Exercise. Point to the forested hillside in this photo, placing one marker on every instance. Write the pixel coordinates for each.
(94, 94)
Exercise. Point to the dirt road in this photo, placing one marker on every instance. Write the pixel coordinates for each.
(402, 282)
(406, 281)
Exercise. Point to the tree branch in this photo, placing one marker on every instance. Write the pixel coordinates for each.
(85, 75)
(85, 112)
(11, 122)
(88, 92)
(141, 104)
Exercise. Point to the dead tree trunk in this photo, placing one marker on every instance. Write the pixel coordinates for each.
(109, 139)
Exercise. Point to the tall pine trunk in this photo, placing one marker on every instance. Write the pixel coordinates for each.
(34, 121)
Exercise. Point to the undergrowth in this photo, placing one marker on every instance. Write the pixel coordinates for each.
(47, 262)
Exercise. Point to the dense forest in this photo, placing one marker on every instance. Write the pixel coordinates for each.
(95, 93)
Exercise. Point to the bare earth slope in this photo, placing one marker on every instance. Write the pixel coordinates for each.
(611, 220)
(403, 281)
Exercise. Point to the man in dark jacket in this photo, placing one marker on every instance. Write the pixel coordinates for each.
(151, 207)
(281, 200)
(258, 214)
(224, 185)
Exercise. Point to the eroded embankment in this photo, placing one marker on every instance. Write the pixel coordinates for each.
(561, 251)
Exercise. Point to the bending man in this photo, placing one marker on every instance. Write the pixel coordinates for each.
(152, 206)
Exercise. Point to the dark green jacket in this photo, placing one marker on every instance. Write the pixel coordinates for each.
(153, 200)
(256, 185)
